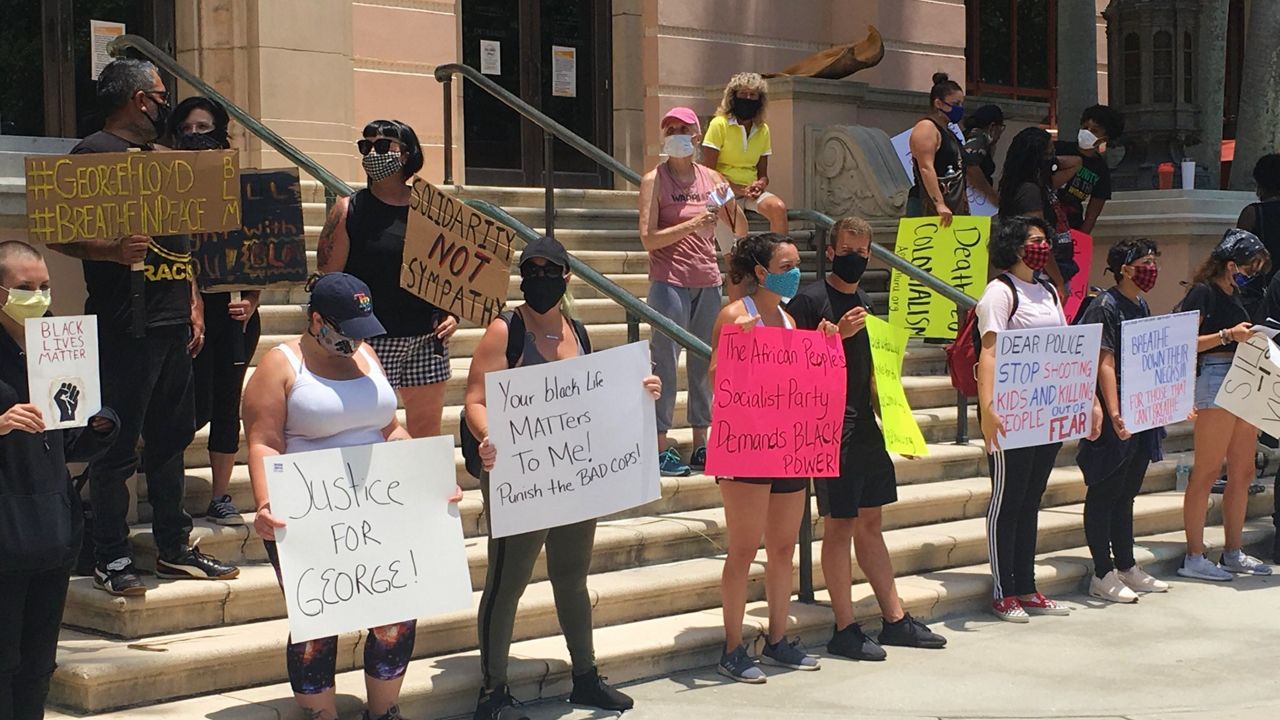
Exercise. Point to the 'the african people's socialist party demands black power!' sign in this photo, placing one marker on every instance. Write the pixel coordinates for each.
(268, 248)
(454, 257)
(103, 196)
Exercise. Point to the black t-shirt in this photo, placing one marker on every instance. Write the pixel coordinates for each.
(1028, 198)
(168, 268)
(1218, 311)
(1093, 179)
(376, 234)
(1110, 309)
(819, 300)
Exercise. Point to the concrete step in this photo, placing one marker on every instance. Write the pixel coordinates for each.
(97, 674)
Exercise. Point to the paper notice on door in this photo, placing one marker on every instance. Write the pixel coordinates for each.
(101, 33)
(491, 57)
(564, 71)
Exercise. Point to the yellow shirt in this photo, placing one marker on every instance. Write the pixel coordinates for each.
(739, 152)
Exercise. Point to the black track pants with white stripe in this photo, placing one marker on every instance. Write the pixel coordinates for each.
(1018, 480)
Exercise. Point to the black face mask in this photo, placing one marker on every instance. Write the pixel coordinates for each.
(849, 268)
(161, 120)
(543, 293)
(744, 109)
(213, 140)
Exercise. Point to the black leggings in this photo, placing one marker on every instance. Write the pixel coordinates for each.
(30, 613)
(1108, 510)
(1018, 480)
(217, 378)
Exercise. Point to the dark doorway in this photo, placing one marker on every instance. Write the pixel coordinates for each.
(555, 55)
(47, 88)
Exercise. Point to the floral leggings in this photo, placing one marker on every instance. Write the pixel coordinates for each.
(312, 664)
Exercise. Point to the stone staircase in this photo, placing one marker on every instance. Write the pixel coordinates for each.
(216, 649)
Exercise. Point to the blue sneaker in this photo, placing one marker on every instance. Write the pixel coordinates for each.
(698, 460)
(670, 464)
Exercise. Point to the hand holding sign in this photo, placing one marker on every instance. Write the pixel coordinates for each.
(22, 416)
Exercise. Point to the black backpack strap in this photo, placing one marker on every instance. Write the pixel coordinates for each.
(581, 331)
(515, 336)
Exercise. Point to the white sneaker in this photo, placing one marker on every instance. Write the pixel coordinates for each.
(1111, 588)
(1138, 580)
(1238, 561)
(1200, 567)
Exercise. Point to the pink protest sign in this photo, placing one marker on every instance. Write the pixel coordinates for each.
(777, 407)
(1079, 285)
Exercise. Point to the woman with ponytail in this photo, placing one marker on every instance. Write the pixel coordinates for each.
(936, 156)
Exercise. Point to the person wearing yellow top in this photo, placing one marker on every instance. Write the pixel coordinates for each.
(737, 145)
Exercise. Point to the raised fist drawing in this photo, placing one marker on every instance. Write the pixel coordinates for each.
(67, 398)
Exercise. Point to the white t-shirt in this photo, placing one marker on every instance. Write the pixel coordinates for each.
(1037, 307)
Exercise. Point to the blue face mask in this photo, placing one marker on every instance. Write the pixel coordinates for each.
(1241, 279)
(785, 284)
(956, 113)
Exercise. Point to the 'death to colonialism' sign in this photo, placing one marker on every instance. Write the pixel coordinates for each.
(454, 257)
(777, 407)
(103, 196)
(1044, 383)
(956, 255)
(269, 247)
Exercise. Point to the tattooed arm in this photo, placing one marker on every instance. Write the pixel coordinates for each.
(334, 243)
(126, 250)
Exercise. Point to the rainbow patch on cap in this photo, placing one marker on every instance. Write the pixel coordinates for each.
(365, 303)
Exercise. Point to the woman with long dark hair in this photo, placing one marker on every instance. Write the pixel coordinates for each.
(1031, 172)
(1219, 435)
(982, 130)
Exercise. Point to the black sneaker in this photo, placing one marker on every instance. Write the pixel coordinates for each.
(223, 512)
(910, 632)
(119, 578)
(191, 564)
(392, 714)
(854, 644)
(492, 703)
(592, 690)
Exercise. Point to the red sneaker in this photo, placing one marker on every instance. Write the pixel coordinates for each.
(1009, 609)
(1041, 605)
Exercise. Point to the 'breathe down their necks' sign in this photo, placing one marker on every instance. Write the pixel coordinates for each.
(1044, 383)
(62, 369)
(454, 257)
(103, 196)
(957, 255)
(777, 408)
(371, 537)
(1157, 370)
(575, 440)
(1251, 390)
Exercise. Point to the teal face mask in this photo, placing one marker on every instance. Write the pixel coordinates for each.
(786, 284)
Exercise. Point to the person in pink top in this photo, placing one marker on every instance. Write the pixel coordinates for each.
(680, 204)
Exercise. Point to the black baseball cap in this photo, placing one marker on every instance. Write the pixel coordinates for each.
(1238, 246)
(547, 248)
(345, 301)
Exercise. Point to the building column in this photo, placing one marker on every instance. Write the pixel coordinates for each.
(628, 87)
(1077, 60)
(1210, 75)
(1258, 129)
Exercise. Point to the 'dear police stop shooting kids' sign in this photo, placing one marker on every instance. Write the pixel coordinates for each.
(1044, 383)
(454, 257)
(103, 196)
(268, 247)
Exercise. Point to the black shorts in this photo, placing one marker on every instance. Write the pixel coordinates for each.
(777, 486)
(867, 478)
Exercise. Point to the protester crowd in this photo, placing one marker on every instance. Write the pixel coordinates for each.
(178, 362)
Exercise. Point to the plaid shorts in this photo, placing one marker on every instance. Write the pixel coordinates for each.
(413, 360)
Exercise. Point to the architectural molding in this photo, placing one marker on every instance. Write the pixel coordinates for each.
(742, 39)
(441, 7)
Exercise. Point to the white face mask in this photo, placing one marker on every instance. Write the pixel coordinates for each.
(680, 146)
(1086, 140)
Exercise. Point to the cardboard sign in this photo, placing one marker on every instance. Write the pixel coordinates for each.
(371, 538)
(574, 440)
(1251, 390)
(957, 255)
(1078, 286)
(777, 408)
(901, 431)
(269, 247)
(454, 257)
(103, 196)
(1157, 362)
(62, 369)
(1044, 383)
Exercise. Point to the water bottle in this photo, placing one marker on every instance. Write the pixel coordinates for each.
(1182, 475)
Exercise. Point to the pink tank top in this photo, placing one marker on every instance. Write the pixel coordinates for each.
(691, 261)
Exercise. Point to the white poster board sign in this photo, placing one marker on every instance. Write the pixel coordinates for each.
(1157, 362)
(101, 33)
(1251, 390)
(978, 205)
(371, 538)
(574, 440)
(62, 369)
(1044, 383)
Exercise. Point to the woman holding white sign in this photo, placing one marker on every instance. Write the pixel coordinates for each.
(1016, 300)
(548, 335)
(326, 389)
(1115, 464)
(1219, 435)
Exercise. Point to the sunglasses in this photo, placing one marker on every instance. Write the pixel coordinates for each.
(382, 145)
(550, 270)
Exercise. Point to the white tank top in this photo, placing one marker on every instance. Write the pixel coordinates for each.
(324, 413)
(750, 305)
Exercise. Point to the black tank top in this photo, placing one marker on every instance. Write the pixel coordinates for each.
(376, 231)
(948, 164)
